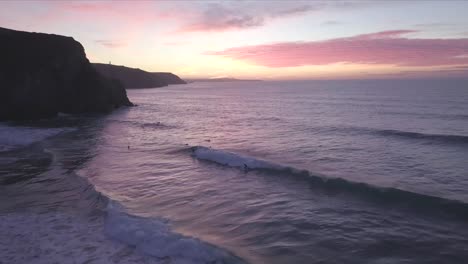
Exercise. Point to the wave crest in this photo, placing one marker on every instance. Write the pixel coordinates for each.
(232, 160)
(13, 137)
(154, 237)
(416, 135)
(443, 138)
(382, 195)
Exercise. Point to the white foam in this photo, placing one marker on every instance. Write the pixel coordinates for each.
(155, 238)
(44, 237)
(12, 137)
(61, 237)
(232, 159)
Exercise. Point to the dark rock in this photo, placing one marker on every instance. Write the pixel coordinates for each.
(43, 74)
(221, 80)
(168, 77)
(136, 78)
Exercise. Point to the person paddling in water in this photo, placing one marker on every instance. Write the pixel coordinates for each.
(246, 168)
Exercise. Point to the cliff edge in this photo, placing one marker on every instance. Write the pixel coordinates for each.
(43, 74)
(133, 78)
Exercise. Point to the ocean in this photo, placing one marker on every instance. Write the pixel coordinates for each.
(361, 171)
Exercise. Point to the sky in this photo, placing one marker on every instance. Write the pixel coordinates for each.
(261, 39)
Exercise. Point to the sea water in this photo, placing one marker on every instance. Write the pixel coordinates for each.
(251, 172)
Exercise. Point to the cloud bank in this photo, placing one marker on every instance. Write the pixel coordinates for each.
(387, 47)
(236, 16)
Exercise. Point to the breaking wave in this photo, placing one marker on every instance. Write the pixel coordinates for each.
(145, 125)
(13, 137)
(385, 195)
(155, 238)
(151, 236)
(54, 187)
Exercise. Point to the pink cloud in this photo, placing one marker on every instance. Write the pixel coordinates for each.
(387, 47)
(190, 16)
(239, 15)
(235, 16)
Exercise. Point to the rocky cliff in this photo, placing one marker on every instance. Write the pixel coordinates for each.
(136, 78)
(43, 74)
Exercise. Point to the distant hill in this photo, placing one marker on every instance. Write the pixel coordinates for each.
(219, 80)
(136, 78)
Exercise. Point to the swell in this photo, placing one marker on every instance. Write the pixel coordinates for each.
(144, 125)
(36, 180)
(155, 238)
(33, 162)
(381, 195)
(440, 138)
(457, 117)
(14, 137)
(432, 137)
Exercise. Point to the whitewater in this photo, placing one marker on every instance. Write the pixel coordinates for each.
(244, 172)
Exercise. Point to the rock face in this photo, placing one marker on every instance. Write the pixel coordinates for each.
(136, 78)
(222, 80)
(43, 74)
(168, 77)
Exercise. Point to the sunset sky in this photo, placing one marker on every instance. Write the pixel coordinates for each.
(261, 39)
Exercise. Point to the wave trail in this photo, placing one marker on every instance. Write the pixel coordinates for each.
(155, 238)
(232, 160)
(144, 125)
(382, 195)
(409, 135)
(13, 137)
(416, 135)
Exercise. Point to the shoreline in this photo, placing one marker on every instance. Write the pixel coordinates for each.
(55, 214)
(62, 237)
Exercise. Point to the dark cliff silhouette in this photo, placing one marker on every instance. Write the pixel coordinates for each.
(221, 80)
(137, 78)
(43, 74)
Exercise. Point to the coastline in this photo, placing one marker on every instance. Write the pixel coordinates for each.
(54, 214)
(61, 237)
(180, 180)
